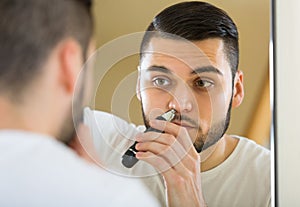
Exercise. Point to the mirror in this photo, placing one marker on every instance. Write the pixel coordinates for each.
(251, 119)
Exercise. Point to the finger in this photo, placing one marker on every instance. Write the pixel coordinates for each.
(187, 157)
(148, 136)
(176, 158)
(166, 140)
(179, 132)
(167, 127)
(162, 138)
(165, 168)
(159, 163)
(172, 154)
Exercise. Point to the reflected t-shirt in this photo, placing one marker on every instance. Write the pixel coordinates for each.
(242, 180)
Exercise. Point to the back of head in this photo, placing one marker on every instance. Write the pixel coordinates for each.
(196, 21)
(30, 29)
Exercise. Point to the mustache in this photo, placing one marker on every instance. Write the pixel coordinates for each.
(182, 117)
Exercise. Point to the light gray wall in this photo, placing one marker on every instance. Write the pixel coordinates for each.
(288, 101)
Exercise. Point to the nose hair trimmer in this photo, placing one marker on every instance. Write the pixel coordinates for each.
(129, 159)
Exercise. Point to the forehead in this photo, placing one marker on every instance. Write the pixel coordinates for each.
(185, 54)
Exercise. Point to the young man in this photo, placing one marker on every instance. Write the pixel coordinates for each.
(189, 62)
(43, 47)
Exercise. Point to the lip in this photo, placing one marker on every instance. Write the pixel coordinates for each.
(183, 124)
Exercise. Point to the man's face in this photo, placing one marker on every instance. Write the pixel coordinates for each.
(192, 77)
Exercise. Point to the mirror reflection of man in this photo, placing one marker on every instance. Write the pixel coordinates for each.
(199, 78)
(43, 47)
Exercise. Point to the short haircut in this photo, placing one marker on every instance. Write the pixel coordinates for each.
(196, 21)
(30, 29)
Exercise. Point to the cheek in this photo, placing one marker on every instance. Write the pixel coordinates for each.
(219, 105)
(204, 111)
(154, 102)
(212, 108)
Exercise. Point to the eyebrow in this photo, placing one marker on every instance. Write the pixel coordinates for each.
(205, 69)
(162, 69)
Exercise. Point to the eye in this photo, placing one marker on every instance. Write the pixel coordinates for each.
(161, 82)
(201, 83)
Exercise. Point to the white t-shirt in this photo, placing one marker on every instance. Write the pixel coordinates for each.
(39, 171)
(242, 180)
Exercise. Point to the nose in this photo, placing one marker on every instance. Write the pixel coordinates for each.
(182, 99)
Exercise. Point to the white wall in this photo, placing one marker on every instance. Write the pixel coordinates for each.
(288, 101)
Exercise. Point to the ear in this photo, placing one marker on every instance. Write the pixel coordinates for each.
(138, 85)
(238, 89)
(70, 64)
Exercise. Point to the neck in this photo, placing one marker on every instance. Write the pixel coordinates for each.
(218, 153)
(17, 116)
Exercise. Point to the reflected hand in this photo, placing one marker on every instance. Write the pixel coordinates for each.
(173, 155)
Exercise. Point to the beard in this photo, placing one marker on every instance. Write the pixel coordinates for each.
(67, 132)
(74, 117)
(215, 133)
(203, 141)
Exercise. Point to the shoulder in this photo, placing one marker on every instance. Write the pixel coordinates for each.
(95, 185)
(55, 176)
(248, 148)
(247, 174)
(109, 124)
(256, 159)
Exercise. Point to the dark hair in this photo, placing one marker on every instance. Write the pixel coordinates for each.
(30, 29)
(196, 21)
